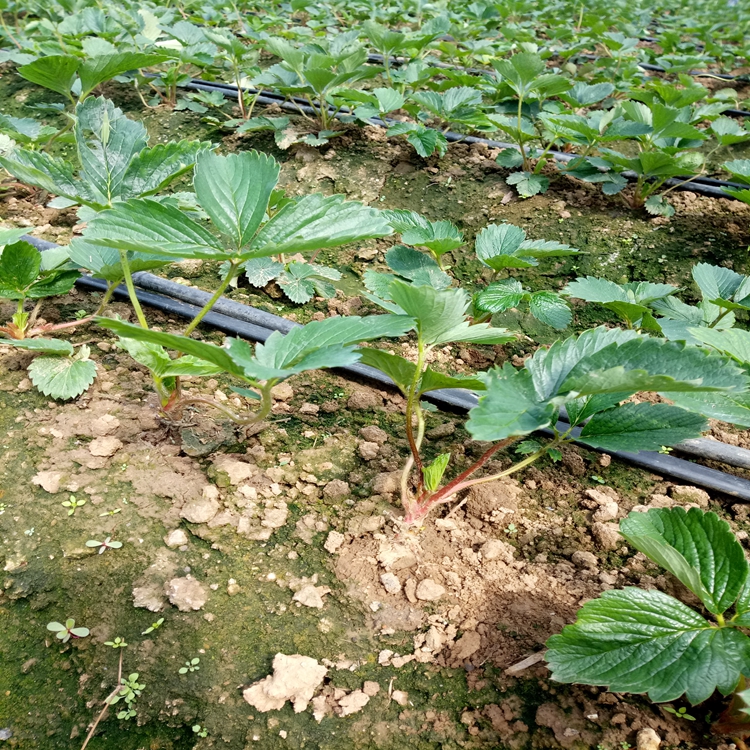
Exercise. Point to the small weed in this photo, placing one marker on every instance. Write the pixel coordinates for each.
(72, 503)
(154, 626)
(680, 713)
(67, 631)
(190, 666)
(200, 731)
(129, 691)
(105, 545)
(117, 643)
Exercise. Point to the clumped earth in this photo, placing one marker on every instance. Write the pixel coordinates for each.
(293, 616)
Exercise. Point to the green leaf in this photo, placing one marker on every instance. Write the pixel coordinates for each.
(315, 222)
(697, 547)
(260, 271)
(641, 427)
(716, 282)
(526, 447)
(101, 68)
(434, 472)
(635, 641)
(650, 364)
(388, 99)
(246, 392)
(19, 268)
(48, 346)
(318, 344)
(500, 296)
(297, 282)
(44, 171)
(510, 407)
(154, 228)
(441, 315)
(9, 235)
(497, 245)
(62, 377)
(728, 131)
(216, 355)
(658, 205)
(593, 289)
(54, 72)
(502, 246)
(234, 191)
(427, 141)
(731, 341)
(417, 267)
(104, 262)
(509, 158)
(584, 95)
(156, 359)
(728, 407)
(107, 143)
(528, 184)
(53, 284)
(521, 70)
(152, 169)
(433, 381)
(550, 367)
(439, 236)
(549, 308)
(398, 369)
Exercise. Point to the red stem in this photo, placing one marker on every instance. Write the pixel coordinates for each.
(453, 486)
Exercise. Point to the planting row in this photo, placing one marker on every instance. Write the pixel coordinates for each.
(609, 129)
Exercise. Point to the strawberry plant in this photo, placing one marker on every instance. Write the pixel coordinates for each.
(317, 345)
(391, 43)
(318, 72)
(26, 274)
(499, 247)
(187, 48)
(235, 192)
(504, 246)
(723, 291)
(665, 151)
(591, 375)
(76, 77)
(114, 161)
(629, 301)
(636, 641)
(523, 80)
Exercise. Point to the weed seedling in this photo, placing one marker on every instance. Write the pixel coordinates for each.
(153, 626)
(130, 690)
(200, 731)
(680, 713)
(190, 666)
(72, 503)
(105, 545)
(67, 631)
(117, 643)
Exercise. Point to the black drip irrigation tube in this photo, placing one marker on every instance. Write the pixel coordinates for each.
(702, 185)
(249, 323)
